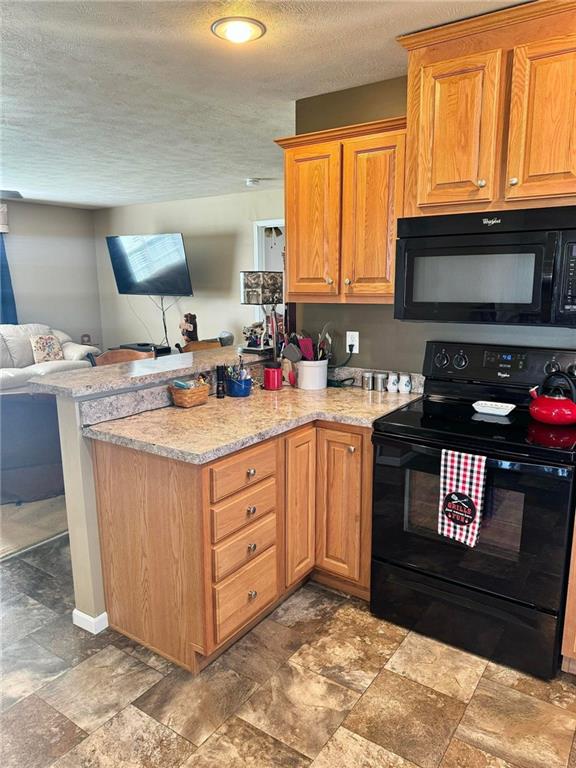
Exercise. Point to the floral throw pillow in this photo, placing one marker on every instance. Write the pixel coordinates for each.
(46, 348)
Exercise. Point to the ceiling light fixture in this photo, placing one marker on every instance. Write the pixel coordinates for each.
(238, 29)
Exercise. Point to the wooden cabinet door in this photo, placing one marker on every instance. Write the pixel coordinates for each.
(339, 503)
(542, 138)
(300, 504)
(372, 200)
(312, 191)
(459, 114)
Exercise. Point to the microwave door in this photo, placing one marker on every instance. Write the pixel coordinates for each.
(475, 279)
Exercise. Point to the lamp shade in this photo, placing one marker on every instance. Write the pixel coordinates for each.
(261, 287)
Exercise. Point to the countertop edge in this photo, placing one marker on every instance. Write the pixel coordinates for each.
(231, 447)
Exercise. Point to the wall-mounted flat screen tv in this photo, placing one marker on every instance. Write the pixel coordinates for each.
(150, 265)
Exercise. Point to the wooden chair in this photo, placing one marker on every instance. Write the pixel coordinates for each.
(194, 346)
(122, 356)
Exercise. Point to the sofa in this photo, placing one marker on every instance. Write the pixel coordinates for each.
(17, 364)
(30, 459)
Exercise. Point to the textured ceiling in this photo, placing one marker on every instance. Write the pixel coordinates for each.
(111, 103)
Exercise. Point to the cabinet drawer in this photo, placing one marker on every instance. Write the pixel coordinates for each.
(243, 547)
(240, 471)
(242, 509)
(244, 594)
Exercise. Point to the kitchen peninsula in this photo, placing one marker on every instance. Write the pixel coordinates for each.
(209, 517)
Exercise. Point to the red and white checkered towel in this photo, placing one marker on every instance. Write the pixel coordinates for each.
(462, 482)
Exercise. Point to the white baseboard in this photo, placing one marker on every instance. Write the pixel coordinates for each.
(93, 624)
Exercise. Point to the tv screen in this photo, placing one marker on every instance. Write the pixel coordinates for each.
(150, 264)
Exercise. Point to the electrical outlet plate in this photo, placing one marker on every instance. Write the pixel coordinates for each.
(353, 337)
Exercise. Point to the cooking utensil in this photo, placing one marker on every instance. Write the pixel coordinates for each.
(307, 347)
(292, 353)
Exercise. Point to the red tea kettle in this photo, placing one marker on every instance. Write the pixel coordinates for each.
(549, 403)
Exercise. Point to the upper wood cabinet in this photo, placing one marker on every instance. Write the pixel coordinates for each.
(459, 110)
(542, 140)
(372, 199)
(339, 503)
(491, 114)
(347, 182)
(300, 504)
(312, 183)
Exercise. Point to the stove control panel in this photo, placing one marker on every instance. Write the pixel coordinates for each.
(495, 363)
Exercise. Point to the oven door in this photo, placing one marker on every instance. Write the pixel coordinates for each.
(522, 548)
(481, 278)
(504, 598)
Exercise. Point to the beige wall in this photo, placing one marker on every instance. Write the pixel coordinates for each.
(219, 244)
(384, 342)
(52, 262)
(375, 101)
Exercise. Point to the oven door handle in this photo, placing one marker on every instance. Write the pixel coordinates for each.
(562, 473)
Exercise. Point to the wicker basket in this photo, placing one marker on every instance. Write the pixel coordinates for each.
(188, 398)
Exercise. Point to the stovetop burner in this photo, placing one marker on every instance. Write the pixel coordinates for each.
(458, 374)
(454, 421)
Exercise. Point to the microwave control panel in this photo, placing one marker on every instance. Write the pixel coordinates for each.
(495, 363)
(567, 302)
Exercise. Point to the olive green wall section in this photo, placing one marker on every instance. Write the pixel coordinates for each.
(375, 101)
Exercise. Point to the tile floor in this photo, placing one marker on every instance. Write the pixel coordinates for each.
(319, 684)
(26, 524)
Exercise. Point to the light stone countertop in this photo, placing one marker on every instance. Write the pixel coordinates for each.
(107, 379)
(220, 427)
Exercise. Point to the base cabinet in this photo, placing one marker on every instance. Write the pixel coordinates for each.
(194, 556)
(338, 503)
(300, 504)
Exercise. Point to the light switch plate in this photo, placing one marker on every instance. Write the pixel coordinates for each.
(353, 337)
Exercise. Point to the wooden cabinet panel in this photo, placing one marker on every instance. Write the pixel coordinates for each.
(372, 199)
(243, 508)
(300, 504)
(244, 594)
(243, 547)
(459, 113)
(151, 540)
(339, 503)
(542, 139)
(241, 470)
(312, 190)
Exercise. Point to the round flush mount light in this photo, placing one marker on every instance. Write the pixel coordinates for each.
(238, 29)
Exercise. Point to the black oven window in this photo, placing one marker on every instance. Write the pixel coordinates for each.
(474, 278)
(502, 517)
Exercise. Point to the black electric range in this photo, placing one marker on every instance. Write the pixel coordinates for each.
(503, 598)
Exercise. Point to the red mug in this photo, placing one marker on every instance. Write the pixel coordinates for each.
(273, 378)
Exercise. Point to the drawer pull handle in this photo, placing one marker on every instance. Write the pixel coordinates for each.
(481, 183)
(351, 449)
(252, 594)
(250, 511)
(251, 548)
(329, 281)
(251, 472)
(347, 281)
(513, 181)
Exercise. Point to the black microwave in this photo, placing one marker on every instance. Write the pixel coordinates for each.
(501, 267)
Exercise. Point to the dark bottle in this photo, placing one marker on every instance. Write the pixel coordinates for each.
(220, 390)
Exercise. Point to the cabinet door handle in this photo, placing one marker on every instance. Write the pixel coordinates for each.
(251, 472)
(347, 281)
(481, 183)
(250, 511)
(252, 594)
(329, 281)
(251, 548)
(351, 449)
(513, 181)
